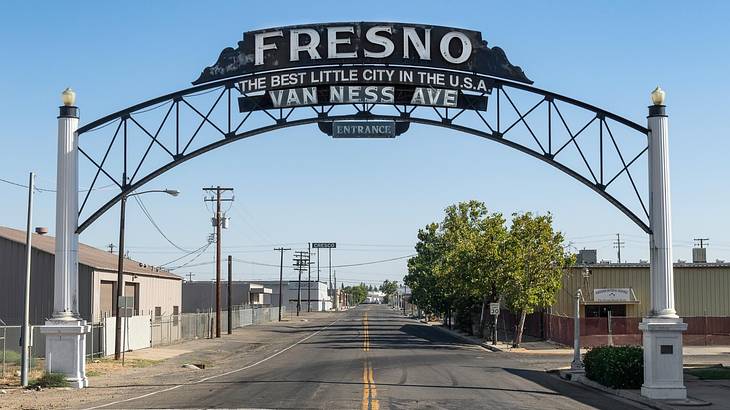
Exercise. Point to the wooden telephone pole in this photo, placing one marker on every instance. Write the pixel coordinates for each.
(218, 223)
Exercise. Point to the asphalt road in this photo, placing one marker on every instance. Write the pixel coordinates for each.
(373, 358)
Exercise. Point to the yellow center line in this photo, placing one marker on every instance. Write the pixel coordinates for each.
(369, 389)
(365, 334)
(374, 404)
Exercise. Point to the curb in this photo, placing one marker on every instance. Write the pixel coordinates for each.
(580, 378)
(466, 338)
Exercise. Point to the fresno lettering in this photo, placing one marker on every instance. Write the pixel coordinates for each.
(454, 46)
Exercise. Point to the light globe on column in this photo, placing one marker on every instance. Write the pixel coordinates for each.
(68, 97)
(658, 96)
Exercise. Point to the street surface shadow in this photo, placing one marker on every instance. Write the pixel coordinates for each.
(581, 394)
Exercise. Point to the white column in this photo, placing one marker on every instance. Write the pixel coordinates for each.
(663, 375)
(66, 330)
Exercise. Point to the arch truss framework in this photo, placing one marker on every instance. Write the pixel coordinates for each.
(553, 128)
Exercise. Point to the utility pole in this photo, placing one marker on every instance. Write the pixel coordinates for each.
(25, 356)
(702, 242)
(318, 300)
(309, 278)
(334, 294)
(111, 247)
(300, 259)
(330, 268)
(190, 276)
(281, 276)
(218, 221)
(230, 300)
(618, 244)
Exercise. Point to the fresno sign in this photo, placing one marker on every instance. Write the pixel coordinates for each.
(362, 43)
(362, 63)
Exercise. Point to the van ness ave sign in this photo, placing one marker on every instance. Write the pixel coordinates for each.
(362, 43)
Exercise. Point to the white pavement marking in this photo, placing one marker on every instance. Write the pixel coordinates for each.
(217, 375)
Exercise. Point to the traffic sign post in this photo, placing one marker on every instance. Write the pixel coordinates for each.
(494, 311)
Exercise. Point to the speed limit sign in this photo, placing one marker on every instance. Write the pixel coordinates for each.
(494, 309)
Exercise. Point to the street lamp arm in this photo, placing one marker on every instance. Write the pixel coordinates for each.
(172, 192)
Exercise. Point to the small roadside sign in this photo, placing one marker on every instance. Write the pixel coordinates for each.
(323, 245)
(126, 306)
(494, 309)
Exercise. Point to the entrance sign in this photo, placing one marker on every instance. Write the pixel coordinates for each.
(323, 245)
(363, 129)
(327, 74)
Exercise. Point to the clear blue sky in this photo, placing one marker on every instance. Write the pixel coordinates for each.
(298, 185)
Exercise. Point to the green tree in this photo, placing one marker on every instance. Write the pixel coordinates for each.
(357, 293)
(389, 289)
(426, 290)
(473, 261)
(534, 262)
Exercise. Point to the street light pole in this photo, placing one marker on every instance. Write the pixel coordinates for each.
(25, 356)
(577, 363)
(120, 264)
(120, 280)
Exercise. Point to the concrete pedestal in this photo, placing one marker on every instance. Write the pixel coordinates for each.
(65, 349)
(663, 370)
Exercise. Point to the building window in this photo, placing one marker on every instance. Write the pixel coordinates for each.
(602, 310)
(158, 312)
(175, 315)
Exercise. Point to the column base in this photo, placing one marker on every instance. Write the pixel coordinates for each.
(66, 349)
(663, 361)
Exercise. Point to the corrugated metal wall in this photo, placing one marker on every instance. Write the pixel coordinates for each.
(698, 290)
(12, 284)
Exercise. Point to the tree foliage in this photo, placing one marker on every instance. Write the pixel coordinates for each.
(471, 258)
(357, 293)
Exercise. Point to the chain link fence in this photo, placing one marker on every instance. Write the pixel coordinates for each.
(163, 330)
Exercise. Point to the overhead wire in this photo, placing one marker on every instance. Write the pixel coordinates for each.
(152, 221)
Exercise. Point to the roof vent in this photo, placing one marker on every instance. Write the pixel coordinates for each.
(41, 230)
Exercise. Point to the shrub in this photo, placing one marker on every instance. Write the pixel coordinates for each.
(49, 380)
(618, 367)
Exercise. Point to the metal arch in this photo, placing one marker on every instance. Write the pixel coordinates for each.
(498, 135)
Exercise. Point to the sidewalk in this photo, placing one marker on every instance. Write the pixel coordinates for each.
(147, 370)
(710, 394)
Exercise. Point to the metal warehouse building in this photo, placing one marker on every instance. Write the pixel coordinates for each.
(620, 292)
(155, 291)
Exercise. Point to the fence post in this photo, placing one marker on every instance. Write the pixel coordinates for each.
(610, 332)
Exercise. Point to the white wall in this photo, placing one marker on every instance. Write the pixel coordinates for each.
(137, 338)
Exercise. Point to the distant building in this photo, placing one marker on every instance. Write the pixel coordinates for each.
(320, 299)
(155, 290)
(199, 296)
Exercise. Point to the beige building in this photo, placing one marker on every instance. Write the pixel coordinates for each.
(155, 290)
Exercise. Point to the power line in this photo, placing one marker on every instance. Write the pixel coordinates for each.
(202, 249)
(50, 190)
(152, 221)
